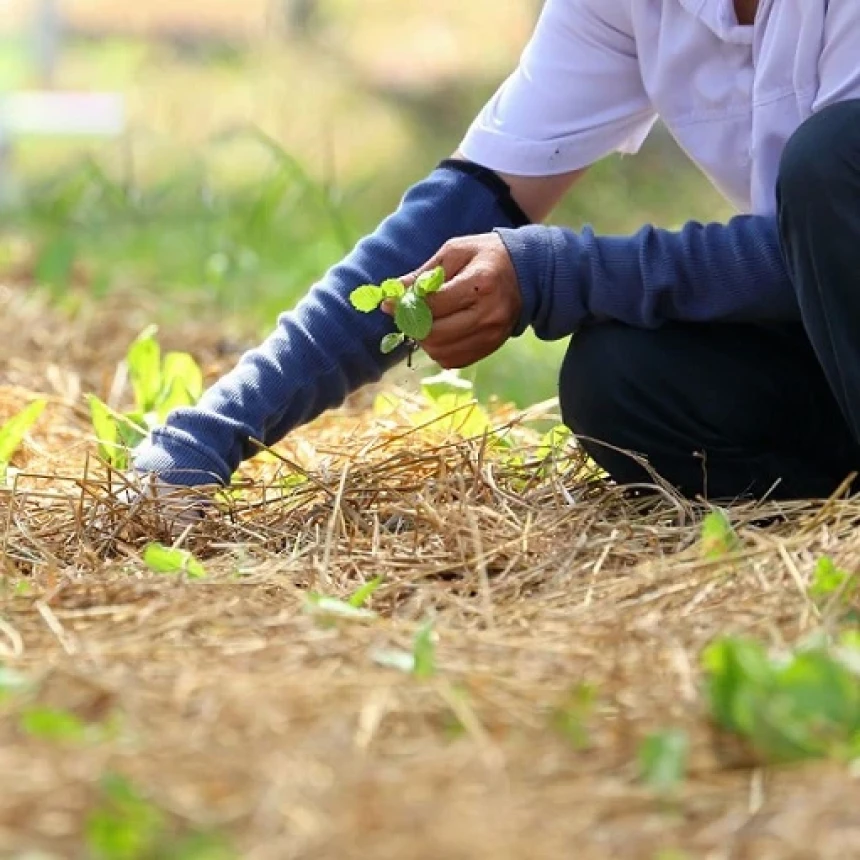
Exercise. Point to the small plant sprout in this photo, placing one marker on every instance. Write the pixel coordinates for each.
(160, 385)
(412, 315)
(330, 608)
(51, 724)
(171, 560)
(424, 652)
(364, 593)
(830, 582)
(662, 760)
(420, 662)
(12, 433)
(791, 707)
(718, 537)
(126, 825)
(570, 718)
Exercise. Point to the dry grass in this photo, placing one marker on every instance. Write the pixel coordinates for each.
(240, 712)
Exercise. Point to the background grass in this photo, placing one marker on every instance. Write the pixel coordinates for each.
(250, 168)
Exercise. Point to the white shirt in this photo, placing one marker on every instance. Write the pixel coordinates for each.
(597, 74)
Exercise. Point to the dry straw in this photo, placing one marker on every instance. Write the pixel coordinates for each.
(239, 712)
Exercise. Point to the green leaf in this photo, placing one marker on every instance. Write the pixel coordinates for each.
(360, 595)
(163, 559)
(367, 298)
(106, 427)
(413, 316)
(12, 433)
(718, 536)
(571, 717)
(125, 826)
(52, 725)
(392, 289)
(319, 603)
(802, 706)
(144, 369)
(553, 441)
(182, 383)
(424, 652)
(732, 665)
(828, 579)
(663, 760)
(391, 341)
(446, 382)
(430, 282)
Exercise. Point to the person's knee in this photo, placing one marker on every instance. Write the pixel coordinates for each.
(816, 157)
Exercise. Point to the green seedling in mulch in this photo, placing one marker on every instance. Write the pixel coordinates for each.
(830, 582)
(570, 718)
(420, 662)
(58, 725)
(412, 315)
(172, 560)
(788, 708)
(662, 760)
(160, 385)
(718, 538)
(331, 608)
(12, 433)
(551, 449)
(125, 825)
(362, 594)
(53, 724)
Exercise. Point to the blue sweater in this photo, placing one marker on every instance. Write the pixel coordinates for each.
(324, 349)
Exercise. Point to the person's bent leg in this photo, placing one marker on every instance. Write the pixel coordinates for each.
(818, 195)
(721, 411)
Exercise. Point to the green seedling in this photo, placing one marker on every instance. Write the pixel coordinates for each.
(662, 760)
(424, 652)
(363, 594)
(718, 539)
(52, 724)
(12, 433)
(788, 708)
(412, 314)
(125, 825)
(570, 718)
(160, 385)
(828, 581)
(331, 608)
(171, 560)
(420, 662)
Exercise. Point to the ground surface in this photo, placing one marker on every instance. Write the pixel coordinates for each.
(234, 711)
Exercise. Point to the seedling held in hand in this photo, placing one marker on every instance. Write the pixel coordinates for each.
(412, 314)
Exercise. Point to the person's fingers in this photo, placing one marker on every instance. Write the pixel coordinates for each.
(452, 257)
(451, 330)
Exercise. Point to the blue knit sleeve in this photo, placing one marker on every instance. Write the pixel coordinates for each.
(324, 349)
(714, 272)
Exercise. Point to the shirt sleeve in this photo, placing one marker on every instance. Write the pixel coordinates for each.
(576, 96)
(839, 65)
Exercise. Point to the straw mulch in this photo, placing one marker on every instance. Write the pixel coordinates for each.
(237, 711)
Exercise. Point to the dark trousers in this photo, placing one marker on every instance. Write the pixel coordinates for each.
(728, 410)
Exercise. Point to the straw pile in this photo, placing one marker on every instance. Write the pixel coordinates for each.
(236, 711)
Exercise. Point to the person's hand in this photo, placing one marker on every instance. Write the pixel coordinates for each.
(478, 308)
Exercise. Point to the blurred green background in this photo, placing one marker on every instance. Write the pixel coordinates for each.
(262, 139)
